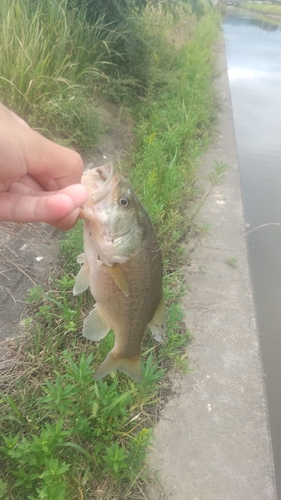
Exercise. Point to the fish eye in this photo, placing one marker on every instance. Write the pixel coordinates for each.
(124, 202)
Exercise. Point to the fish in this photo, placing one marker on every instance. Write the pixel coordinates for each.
(122, 264)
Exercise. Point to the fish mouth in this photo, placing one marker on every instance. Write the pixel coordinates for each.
(100, 182)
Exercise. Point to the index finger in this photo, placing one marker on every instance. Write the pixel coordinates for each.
(49, 162)
(24, 151)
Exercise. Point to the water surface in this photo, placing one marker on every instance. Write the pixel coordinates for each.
(254, 67)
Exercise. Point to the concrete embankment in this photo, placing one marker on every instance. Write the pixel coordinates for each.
(213, 439)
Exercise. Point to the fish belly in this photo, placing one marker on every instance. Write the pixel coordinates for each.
(129, 315)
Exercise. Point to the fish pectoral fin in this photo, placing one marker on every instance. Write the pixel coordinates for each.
(158, 323)
(119, 277)
(131, 367)
(95, 326)
(82, 279)
(81, 258)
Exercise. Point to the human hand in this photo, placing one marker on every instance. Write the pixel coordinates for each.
(39, 180)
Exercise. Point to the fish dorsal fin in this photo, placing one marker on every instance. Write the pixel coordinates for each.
(95, 326)
(82, 279)
(119, 277)
(131, 367)
(81, 258)
(158, 323)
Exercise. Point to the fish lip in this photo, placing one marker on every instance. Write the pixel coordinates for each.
(106, 180)
(122, 237)
(101, 192)
(106, 187)
(121, 258)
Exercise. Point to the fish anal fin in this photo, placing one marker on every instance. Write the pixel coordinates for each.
(82, 279)
(131, 367)
(119, 277)
(95, 326)
(158, 323)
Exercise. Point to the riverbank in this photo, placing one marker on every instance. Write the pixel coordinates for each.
(213, 440)
(273, 11)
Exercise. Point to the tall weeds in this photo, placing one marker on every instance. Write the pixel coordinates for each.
(47, 48)
(51, 58)
(174, 123)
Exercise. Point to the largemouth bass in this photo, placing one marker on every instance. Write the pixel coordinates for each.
(122, 264)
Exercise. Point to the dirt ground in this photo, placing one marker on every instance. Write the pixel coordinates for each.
(29, 252)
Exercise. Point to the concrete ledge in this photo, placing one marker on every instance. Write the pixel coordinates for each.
(213, 439)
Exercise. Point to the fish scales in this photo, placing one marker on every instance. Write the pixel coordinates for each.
(130, 314)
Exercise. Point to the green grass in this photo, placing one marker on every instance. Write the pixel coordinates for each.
(51, 59)
(174, 124)
(62, 435)
(232, 262)
(61, 432)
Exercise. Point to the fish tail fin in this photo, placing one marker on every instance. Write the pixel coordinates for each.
(131, 367)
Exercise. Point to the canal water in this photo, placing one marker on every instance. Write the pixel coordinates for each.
(254, 67)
